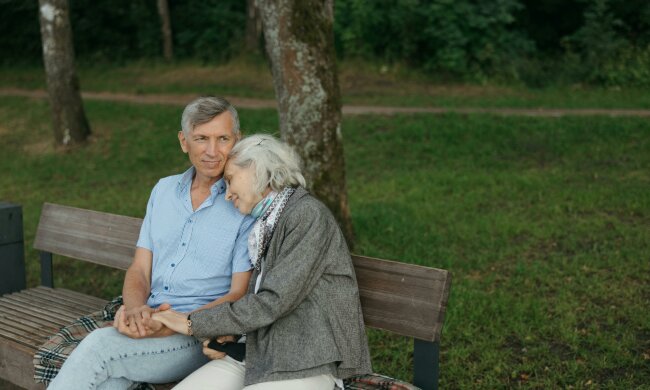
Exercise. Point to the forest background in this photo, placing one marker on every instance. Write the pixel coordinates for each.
(534, 42)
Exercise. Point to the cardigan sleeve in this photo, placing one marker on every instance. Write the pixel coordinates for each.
(298, 262)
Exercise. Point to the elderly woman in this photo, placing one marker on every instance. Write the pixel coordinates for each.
(302, 316)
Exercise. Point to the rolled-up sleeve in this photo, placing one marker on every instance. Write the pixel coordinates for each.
(144, 240)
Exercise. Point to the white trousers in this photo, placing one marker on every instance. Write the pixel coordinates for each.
(228, 374)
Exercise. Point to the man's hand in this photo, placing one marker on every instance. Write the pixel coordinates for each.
(136, 323)
(135, 319)
(121, 324)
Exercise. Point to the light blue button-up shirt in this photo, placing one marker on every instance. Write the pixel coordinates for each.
(195, 252)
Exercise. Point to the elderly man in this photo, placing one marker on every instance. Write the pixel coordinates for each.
(192, 253)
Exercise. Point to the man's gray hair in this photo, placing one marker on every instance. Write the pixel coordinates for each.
(204, 109)
(276, 164)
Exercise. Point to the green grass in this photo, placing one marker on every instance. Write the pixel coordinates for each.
(544, 224)
(361, 84)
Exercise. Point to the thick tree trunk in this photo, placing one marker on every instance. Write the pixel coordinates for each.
(69, 118)
(300, 45)
(253, 27)
(166, 28)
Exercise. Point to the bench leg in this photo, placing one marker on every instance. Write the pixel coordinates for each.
(426, 359)
(47, 278)
(12, 251)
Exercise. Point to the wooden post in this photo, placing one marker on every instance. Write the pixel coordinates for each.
(47, 275)
(12, 256)
(426, 361)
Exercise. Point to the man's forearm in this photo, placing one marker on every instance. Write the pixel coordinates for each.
(136, 289)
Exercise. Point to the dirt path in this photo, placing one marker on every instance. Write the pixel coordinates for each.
(182, 99)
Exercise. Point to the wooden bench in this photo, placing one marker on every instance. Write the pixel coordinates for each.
(406, 299)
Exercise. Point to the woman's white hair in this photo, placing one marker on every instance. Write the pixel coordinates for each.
(276, 164)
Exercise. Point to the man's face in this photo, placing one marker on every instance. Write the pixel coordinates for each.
(208, 146)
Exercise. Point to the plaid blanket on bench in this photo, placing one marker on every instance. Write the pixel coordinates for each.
(50, 356)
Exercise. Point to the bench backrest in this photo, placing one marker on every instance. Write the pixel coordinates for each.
(403, 298)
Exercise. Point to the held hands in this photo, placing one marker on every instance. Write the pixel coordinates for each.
(137, 323)
(170, 319)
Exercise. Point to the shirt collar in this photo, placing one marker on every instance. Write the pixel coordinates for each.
(185, 182)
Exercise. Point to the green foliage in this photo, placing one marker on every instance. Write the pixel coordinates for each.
(605, 50)
(603, 55)
(123, 29)
(597, 41)
(20, 36)
(208, 29)
(115, 30)
(536, 42)
(458, 38)
(631, 67)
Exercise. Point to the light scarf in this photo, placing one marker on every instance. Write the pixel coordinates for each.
(260, 237)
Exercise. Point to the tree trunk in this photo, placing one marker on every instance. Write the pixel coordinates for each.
(166, 28)
(253, 27)
(69, 118)
(300, 45)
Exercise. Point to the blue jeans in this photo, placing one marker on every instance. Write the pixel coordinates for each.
(106, 359)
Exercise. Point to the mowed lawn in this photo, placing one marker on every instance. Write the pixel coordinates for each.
(544, 223)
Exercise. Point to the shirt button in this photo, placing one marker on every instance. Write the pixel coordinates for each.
(173, 265)
(189, 220)
(166, 288)
(151, 295)
(183, 244)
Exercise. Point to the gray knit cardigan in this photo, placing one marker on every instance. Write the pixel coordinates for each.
(306, 318)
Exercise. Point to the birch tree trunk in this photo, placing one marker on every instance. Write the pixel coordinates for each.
(68, 116)
(300, 45)
(166, 29)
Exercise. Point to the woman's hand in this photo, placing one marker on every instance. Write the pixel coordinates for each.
(171, 319)
(213, 354)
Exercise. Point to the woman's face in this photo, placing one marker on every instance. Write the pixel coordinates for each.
(241, 187)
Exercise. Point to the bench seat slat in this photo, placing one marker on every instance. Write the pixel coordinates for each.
(47, 308)
(53, 299)
(73, 295)
(29, 343)
(22, 312)
(9, 328)
(36, 312)
(28, 325)
(29, 311)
